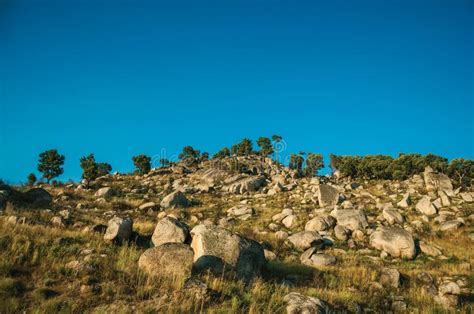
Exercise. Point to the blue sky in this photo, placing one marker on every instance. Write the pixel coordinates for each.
(119, 78)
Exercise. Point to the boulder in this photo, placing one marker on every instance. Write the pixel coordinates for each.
(392, 216)
(353, 219)
(314, 259)
(147, 206)
(241, 185)
(327, 195)
(390, 277)
(429, 250)
(176, 199)
(119, 229)
(168, 230)
(297, 303)
(241, 210)
(425, 206)
(436, 181)
(105, 192)
(218, 249)
(38, 197)
(320, 223)
(172, 260)
(450, 225)
(341, 233)
(289, 221)
(405, 202)
(305, 239)
(395, 241)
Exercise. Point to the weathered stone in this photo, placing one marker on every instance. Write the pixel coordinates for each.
(119, 229)
(353, 219)
(105, 192)
(436, 181)
(305, 239)
(241, 210)
(313, 259)
(147, 206)
(320, 223)
(176, 199)
(57, 221)
(170, 229)
(392, 216)
(425, 206)
(395, 241)
(297, 303)
(405, 201)
(429, 250)
(342, 233)
(450, 225)
(172, 260)
(289, 221)
(217, 249)
(390, 277)
(327, 195)
(38, 197)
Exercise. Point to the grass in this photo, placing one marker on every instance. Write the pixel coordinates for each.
(33, 276)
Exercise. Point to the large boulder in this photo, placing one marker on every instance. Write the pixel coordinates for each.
(305, 239)
(38, 197)
(395, 241)
(170, 229)
(320, 223)
(241, 185)
(218, 249)
(327, 195)
(297, 303)
(119, 229)
(352, 219)
(314, 259)
(172, 260)
(425, 206)
(105, 192)
(176, 199)
(436, 181)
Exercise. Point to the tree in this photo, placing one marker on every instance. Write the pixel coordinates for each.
(461, 171)
(103, 168)
(314, 163)
(31, 179)
(334, 162)
(50, 164)
(204, 157)
(189, 153)
(265, 145)
(225, 152)
(244, 148)
(142, 164)
(296, 162)
(437, 163)
(89, 167)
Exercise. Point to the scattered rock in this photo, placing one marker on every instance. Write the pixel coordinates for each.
(297, 303)
(395, 241)
(327, 195)
(170, 229)
(119, 229)
(175, 200)
(105, 192)
(353, 219)
(216, 248)
(147, 206)
(425, 206)
(390, 277)
(429, 250)
(342, 233)
(320, 223)
(38, 197)
(305, 239)
(313, 259)
(392, 216)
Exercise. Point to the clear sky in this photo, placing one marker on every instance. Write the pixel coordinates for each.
(119, 78)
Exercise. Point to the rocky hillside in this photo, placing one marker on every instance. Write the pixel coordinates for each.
(246, 236)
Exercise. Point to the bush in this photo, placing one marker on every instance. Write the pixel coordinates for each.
(225, 152)
(244, 148)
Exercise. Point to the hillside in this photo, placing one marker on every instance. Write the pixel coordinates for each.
(258, 238)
